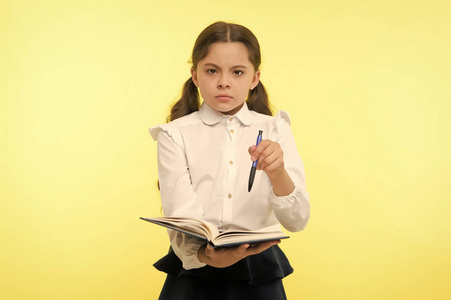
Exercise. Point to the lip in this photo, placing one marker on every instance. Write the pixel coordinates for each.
(223, 97)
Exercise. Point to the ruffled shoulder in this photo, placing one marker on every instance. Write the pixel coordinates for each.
(155, 130)
(281, 121)
(170, 129)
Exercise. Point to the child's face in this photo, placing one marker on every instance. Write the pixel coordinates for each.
(225, 76)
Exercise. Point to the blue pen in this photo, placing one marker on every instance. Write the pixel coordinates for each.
(254, 164)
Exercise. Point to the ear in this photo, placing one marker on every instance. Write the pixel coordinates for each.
(255, 80)
(194, 76)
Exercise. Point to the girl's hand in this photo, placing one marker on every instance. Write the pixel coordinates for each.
(270, 161)
(270, 157)
(225, 257)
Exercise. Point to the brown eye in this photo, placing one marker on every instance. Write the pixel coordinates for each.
(211, 71)
(238, 72)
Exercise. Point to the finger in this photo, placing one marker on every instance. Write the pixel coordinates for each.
(272, 163)
(261, 247)
(263, 161)
(258, 150)
(268, 157)
(271, 155)
(242, 248)
(251, 150)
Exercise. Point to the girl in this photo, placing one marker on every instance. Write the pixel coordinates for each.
(205, 154)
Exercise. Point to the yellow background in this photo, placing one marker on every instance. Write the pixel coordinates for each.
(367, 84)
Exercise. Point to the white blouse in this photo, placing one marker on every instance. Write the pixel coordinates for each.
(204, 166)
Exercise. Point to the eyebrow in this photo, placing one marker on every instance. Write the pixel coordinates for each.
(234, 67)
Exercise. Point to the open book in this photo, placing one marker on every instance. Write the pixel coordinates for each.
(209, 232)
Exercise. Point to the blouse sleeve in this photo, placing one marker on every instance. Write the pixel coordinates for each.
(292, 211)
(177, 194)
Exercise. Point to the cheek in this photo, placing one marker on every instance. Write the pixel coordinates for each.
(205, 82)
(245, 86)
(248, 83)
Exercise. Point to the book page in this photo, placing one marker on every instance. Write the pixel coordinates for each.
(199, 228)
(236, 237)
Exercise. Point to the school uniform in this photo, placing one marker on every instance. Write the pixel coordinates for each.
(203, 166)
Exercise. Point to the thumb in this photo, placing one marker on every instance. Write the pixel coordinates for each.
(209, 250)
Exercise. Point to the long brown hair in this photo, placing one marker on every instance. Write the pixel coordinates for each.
(257, 99)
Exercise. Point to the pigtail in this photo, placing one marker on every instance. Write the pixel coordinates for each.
(258, 100)
(188, 103)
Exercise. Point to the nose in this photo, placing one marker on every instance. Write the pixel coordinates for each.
(223, 82)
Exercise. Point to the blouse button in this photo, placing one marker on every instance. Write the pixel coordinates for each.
(230, 119)
(227, 226)
(230, 196)
(232, 131)
(231, 162)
